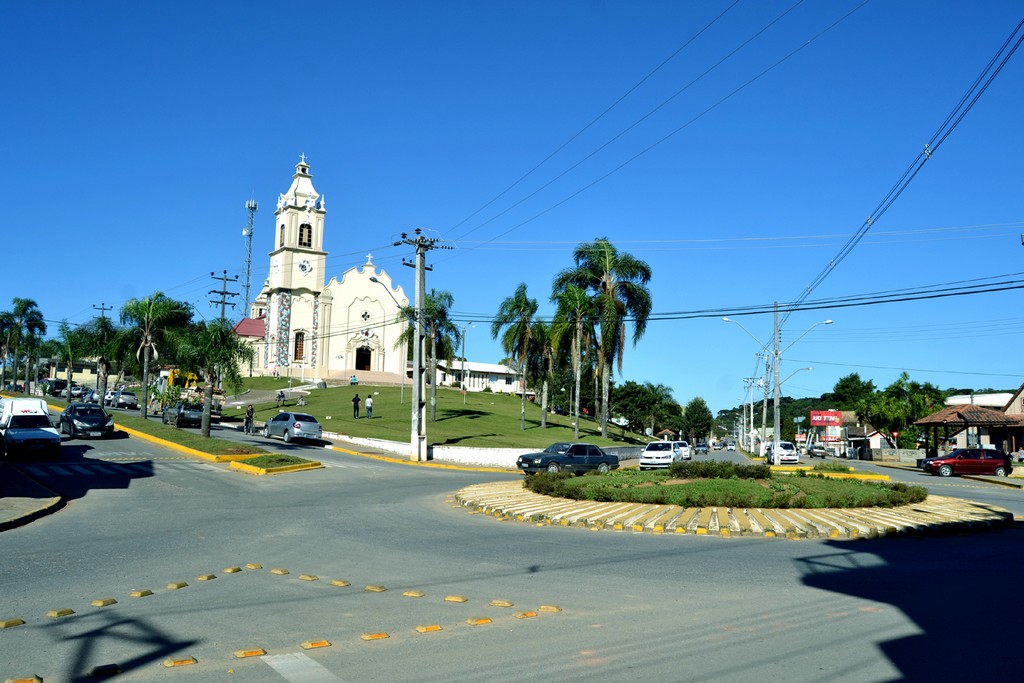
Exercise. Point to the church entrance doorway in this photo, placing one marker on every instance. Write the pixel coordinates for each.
(363, 358)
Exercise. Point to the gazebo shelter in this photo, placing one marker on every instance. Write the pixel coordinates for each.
(666, 435)
(955, 419)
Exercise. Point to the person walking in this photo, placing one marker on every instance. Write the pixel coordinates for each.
(355, 406)
(250, 414)
(369, 407)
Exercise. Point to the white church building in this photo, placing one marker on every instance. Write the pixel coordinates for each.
(302, 326)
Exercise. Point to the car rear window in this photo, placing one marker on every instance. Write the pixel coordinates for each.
(29, 421)
(304, 418)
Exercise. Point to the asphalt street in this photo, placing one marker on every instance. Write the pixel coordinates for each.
(466, 597)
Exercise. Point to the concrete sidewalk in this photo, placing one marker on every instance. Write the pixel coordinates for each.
(22, 499)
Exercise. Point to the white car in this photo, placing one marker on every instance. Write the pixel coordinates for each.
(658, 455)
(788, 454)
(681, 449)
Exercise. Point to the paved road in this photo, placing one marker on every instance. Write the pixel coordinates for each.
(633, 606)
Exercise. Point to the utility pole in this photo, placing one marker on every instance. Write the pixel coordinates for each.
(776, 422)
(251, 207)
(102, 308)
(418, 438)
(223, 291)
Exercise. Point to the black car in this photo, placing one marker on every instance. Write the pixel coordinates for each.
(571, 457)
(183, 414)
(86, 419)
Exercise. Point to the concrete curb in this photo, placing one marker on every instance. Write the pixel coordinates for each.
(24, 499)
(185, 449)
(405, 461)
(260, 471)
(510, 501)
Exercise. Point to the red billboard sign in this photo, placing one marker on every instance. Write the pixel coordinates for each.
(826, 418)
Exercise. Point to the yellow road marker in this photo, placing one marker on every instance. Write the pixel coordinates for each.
(255, 652)
(180, 662)
(456, 598)
(34, 679)
(340, 582)
(232, 570)
(57, 613)
(176, 585)
(279, 572)
(103, 602)
(375, 589)
(414, 594)
(524, 615)
(429, 629)
(254, 565)
(374, 636)
(206, 577)
(550, 608)
(309, 577)
(141, 593)
(500, 603)
(10, 623)
(313, 644)
(478, 621)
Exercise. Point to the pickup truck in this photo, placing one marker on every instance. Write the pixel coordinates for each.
(183, 414)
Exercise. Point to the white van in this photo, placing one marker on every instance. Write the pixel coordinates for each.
(26, 428)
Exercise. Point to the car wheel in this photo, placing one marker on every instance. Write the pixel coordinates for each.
(287, 436)
(945, 471)
(1000, 471)
(603, 468)
(266, 432)
(554, 467)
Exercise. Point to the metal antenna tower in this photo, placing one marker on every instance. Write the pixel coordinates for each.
(251, 207)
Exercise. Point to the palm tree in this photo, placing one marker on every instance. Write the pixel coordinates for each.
(571, 320)
(617, 284)
(207, 348)
(100, 337)
(441, 334)
(515, 317)
(541, 361)
(72, 345)
(148, 320)
(27, 321)
(6, 342)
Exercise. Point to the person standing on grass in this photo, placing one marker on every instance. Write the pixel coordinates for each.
(355, 406)
(250, 414)
(369, 407)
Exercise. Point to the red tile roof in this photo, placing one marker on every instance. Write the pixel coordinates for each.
(967, 415)
(251, 327)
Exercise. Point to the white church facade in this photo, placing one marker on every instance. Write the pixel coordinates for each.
(302, 326)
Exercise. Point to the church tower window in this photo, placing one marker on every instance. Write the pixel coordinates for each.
(300, 346)
(305, 235)
(281, 236)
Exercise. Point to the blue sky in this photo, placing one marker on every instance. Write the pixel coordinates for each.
(134, 133)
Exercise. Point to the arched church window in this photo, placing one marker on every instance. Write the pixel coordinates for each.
(281, 236)
(300, 346)
(305, 235)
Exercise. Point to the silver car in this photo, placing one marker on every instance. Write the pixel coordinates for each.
(293, 426)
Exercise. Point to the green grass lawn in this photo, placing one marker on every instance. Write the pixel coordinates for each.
(479, 419)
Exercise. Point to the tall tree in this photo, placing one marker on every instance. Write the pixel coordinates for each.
(7, 336)
(572, 319)
(27, 321)
(514, 324)
(208, 348)
(698, 420)
(617, 283)
(893, 410)
(148, 320)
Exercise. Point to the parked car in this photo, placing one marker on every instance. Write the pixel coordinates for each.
(788, 454)
(658, 455)
(818, 451)
(731, 446)
(92, 397)
(702, 448)
(86, 419)
(183, 414)
(293, 426)
(969, 461)
(572, 457)
(125, 399)
(55, 387)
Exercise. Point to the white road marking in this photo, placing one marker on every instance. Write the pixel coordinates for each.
(298, 668)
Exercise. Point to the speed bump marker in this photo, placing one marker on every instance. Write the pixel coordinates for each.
(456, 598)
(550, 608)
(58, 613)
(374, 636)
(103, 602)
(375, 589)
(414, 594)
(500, 603)
(254, 565)
(279, 572)
(141, 593)
(524, 615)
(478, 621)
(206, 577)
(180, 662)
(33, 679)
(309, 577)
(9, 623)
(429, 629)
(232, 570)
(255, 652)
(313, 644)
(176, 585)
(340, 582)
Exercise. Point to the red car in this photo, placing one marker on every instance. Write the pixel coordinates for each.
(970, 461)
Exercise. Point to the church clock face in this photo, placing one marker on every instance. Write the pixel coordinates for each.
(305, 267)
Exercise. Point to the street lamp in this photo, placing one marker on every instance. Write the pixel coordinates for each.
(401, 399)
(777, 422)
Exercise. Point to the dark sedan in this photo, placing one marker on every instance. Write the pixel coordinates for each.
(571, 457)
(86, 419)
(183, 414)
(970, 461)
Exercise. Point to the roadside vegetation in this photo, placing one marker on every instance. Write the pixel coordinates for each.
(723, 484)
(275, 460)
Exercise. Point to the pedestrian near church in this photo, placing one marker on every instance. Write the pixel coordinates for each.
(369, 407)
(355, 406)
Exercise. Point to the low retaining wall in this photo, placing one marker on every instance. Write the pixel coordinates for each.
(901, 455)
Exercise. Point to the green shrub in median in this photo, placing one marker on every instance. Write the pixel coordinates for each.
(739, 486)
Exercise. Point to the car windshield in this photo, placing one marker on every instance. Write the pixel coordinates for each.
(299, 417)
(560, 447)
(90, 412)
(659, 446)
(29, 421)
